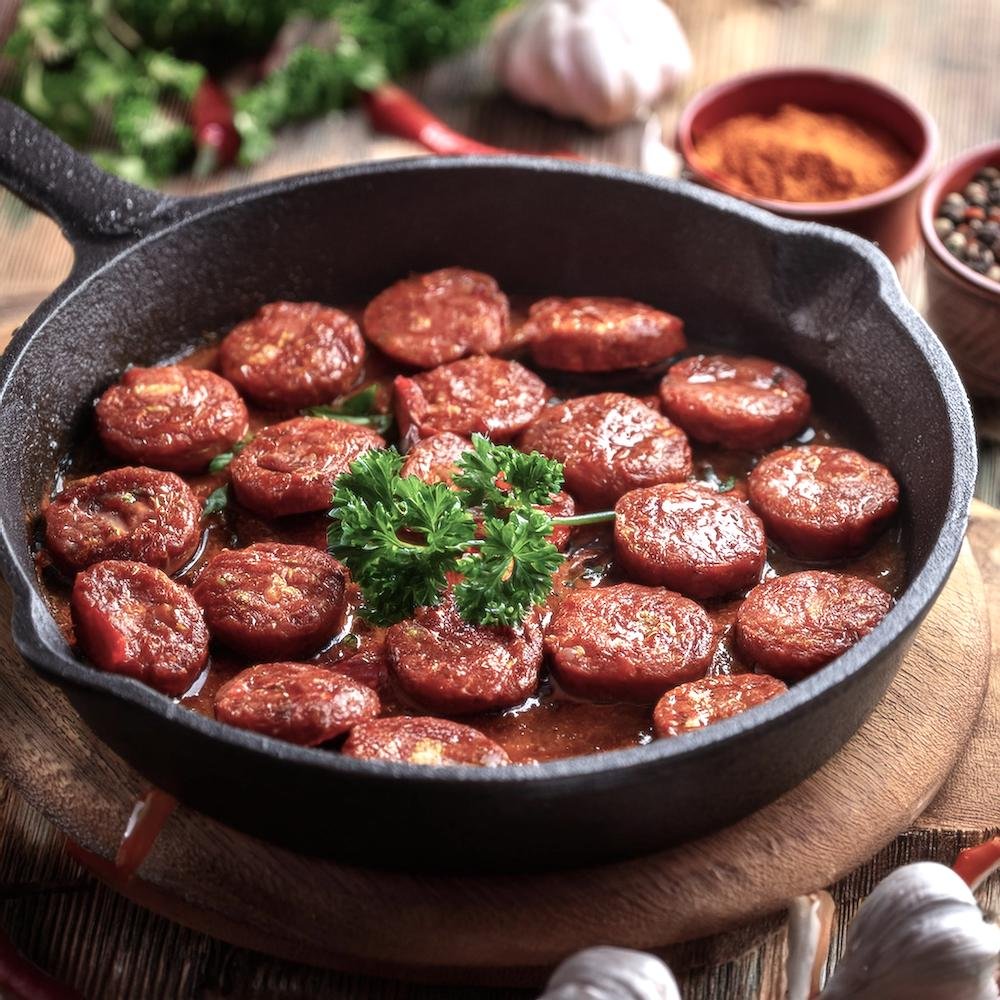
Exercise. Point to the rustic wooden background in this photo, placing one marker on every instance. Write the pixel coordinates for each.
(940, 52)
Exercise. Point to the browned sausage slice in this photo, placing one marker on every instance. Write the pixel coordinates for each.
(423, 740)
(449, 666)
(290, 468)
(171, 417)
(609, 444)
(748, 403)
(271, 600)
(133, 514)
(430, 319)
(132, 619)
(703, 702)
(481, 394)
(293, 354)
(434, 459)
(690, 538)
(627, 642)
(822, 502)
(295, 702)
(600, 334)
(793, 625)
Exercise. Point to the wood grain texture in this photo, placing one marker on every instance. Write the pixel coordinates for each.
(938, 53)
(489, 929)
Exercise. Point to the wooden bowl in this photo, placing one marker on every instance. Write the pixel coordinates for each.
(887, 217)
(963, 306)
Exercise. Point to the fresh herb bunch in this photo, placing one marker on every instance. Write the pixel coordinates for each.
(402, 538)
(130, 68)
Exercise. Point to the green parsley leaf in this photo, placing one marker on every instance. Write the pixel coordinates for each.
(725, 485)
(222, 460)
(358, 408)
(512, 571)
(500, 478)
(217, 501)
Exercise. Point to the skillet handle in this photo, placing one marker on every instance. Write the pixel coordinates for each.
(90, 206)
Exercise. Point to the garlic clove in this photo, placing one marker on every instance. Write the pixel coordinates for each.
(920, 935)
(810, 921)
(606, 973)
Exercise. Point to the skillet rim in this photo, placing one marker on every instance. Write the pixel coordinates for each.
(58, 664)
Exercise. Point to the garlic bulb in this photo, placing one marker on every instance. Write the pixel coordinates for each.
(602, 61)
(920, 935)
(611, 974)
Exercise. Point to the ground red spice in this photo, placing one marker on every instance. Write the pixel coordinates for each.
(800, 155)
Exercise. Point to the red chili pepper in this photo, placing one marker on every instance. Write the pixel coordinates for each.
(392, 110)
(976, 864)
(22, 980)
(215, 135)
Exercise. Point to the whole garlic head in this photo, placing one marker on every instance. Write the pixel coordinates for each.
(601, 61)
(611, 974)
(920, 935)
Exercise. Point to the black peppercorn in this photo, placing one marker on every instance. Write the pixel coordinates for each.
(968, 223)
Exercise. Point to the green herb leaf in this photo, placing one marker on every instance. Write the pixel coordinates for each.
(360, 404)
(511, 572)
(725, 485)
(356, 409)
(217, 501)
(500, 478)
(222, 460)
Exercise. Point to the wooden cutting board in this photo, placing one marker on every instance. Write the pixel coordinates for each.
(511, 930)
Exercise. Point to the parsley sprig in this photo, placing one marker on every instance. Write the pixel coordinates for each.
(401, 538)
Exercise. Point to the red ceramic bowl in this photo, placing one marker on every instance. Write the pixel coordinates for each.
(887, 217)
(963, 306)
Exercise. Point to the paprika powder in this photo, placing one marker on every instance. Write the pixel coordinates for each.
(800, 155)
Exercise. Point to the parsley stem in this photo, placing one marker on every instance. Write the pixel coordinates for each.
(597, 517)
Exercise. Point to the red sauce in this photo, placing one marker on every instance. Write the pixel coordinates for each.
(550, 724)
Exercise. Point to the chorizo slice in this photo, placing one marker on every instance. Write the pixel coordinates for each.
(296, 702)
(609, 444)
(445, 664)
(430, 319)
(434, 459)
(822, 502)
(132, 619)
(423, 740)
(627, 642)
(600, 334)
(271, 601)
(737, 402)
(481, 394)
(703, 702)
(293, 354)
(793, 625)
(290, 468)
(171, 417)
(132, 514)
(690, 538)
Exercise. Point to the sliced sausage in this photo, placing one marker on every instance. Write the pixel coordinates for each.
(481, 394)
(627, 642)
(600, 334)
(132, 619)
(609, 444)
(133, 514)
(293, 354)
(822, 502)
(434, 459)
(450, 666)
(703, 702)
(270, 600)
(290, 468)
(430, 319)
(793, 625)
(748, 403)
(295, 702)
(690, 538)
(171, 417)
(423, 740)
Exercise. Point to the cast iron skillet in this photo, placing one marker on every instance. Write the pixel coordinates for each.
(153, 274)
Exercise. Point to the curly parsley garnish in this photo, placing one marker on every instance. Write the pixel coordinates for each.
(402, 537)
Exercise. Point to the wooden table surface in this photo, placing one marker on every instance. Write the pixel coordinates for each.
(939, 53)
